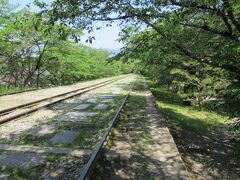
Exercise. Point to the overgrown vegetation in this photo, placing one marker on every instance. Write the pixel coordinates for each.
(192, 48)
(186, 117)
(35, 53)
(8, 89)
(200, 136)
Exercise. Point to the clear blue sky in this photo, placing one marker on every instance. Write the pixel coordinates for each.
(105, 38)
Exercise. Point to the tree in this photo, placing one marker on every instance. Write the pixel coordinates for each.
(218, 20)
(24, 47)
(69, 62)
(190, 79)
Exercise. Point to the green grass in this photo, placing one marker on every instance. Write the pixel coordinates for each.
(184, 117)
(190, 118)
(146, 141)
(12, 89)
(135, 111)
(52, 160)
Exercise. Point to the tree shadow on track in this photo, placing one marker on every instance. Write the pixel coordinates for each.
(134, 142)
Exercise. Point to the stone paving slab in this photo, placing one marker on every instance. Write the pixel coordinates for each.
(44, 130)
(64, 137)
(101, 106)
(118, 91)
(107, 100)
(92, 100)
(21, 160)
(63, 106)
(82, 106)
(78, 124)
(108, 96)
(75, 116)
(44, 150)
(120, 86)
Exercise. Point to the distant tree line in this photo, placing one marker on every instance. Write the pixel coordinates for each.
(36, 53)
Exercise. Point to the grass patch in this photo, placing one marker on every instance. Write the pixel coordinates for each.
(52, 163)
(186, 118)
(21, 174)
(146, 141)
(12, 89)
(135, 113)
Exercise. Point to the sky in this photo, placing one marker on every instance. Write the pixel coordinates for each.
(106, 38)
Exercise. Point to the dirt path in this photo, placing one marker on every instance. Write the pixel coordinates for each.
(142, 147)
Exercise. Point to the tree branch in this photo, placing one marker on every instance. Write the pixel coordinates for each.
(212, 9)
(231, 15)
(189, 4)
(184, 51)
(225, 34)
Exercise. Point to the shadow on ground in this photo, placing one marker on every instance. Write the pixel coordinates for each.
(134, 133)
(205, 145)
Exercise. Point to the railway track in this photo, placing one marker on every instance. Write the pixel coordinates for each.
(33, 89)
(89, 167)
(90, 133)
(12, 113)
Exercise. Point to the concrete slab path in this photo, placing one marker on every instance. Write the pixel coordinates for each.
(21, 160)
(64, 137)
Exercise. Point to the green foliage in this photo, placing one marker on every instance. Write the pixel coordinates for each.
(191, 48)
(188, 118)
(80, 62)
(36, 53)
(204, 31)
(192, 80)
(179, 34)
(23, 47)
(12, 89)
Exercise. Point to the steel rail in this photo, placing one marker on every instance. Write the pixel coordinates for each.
(82, 90)
(48, 98)
(42, 88)
(89, 167)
